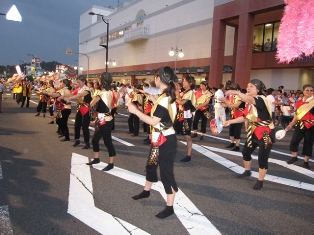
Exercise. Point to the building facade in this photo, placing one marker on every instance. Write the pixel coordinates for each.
(221, 40)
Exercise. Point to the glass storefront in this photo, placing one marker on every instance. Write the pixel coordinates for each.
(265, 37)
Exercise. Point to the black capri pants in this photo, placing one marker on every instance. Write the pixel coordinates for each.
(167, 153)
(263, 154)
(104, 131)
(200, 115)
(235, 130)
(298, 135)
(82, 121)
(42, 106)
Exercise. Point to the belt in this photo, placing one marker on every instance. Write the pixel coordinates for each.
(218, 102)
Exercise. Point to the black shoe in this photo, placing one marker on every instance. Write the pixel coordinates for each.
(65, 139)
(147, 142)
(134, 135)
(94, 161)
(37, 115)
(202, 137)
(129, 132)
(194, 135)
(292, 160)
(52, 122)
(87, 146)
(147, 138)
(77, 142)
(244, 174)
(165, 213)
(306, 165)
(186, 159)
(231, 145)
(108, 167)
(60, 136)
(143, 194)
(236, 148)
(258, 185)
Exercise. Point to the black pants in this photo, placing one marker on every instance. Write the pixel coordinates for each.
(63, 122)
(134, 124)
(200, 115)
(104, 131)
(298, 135)
(167, 153)
(235, 130)
(82, 121)
(27, 101)
(263, 154)
(42, 106)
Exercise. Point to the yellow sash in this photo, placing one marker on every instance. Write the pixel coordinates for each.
(304, 108)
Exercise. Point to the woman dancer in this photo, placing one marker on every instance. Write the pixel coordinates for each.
(187, 104)
(260, 128)
(104, 121)
(161, 118)
(304, 126)
(63, 109)
(202, 109)
(82, 118)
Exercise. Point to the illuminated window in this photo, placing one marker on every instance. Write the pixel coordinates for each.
(120, 34)
(265, 37)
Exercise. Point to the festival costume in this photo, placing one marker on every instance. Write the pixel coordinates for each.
(50, 101)
(164, 149)
(260, 131)
(185, 111)
(82, 118)
(304, 128)
(42, 104)
(235, 129)
(203, 112)
(27, 91)
(103, 123)
(148, 105)
(63, 111)
(133, 120)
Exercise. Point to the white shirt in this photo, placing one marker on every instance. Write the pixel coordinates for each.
(270, 100)
(218, 94)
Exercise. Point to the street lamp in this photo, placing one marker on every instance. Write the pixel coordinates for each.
(105, 46)
(70, 52)
(111, 63)
(177, 52)
(13, 14)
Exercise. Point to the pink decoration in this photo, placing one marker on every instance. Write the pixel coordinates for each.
(296, 31)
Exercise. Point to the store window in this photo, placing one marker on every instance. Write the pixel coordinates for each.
(114, 36)
(120, 34)
(265, 37)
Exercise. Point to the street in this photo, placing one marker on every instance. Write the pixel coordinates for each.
(46, 187)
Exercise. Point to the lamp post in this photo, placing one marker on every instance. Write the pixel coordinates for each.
(13, 14)
(70, 52)
(177, 52)
(105, 46)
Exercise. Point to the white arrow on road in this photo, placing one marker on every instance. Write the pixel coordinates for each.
(81, 202)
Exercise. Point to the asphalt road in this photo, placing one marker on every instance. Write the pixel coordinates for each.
(36, 172)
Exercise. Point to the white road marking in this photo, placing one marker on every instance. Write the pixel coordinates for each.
(295, 168)
(5, 224)
(191, 218)
(113, 137)
(274, 151)
(238, 169)
(81, 202)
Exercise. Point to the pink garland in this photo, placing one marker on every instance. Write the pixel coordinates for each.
(296, 31)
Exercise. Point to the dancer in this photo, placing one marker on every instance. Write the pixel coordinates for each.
(202, 109)
(63, 108)
(260, 130)
(82, 118)
(187, 104)
(237, 106)
(304, 126)
(161, 118)
(104, 121)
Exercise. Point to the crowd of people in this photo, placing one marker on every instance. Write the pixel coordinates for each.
(169, 107)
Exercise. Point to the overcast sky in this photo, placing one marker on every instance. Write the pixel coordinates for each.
(47, 29)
